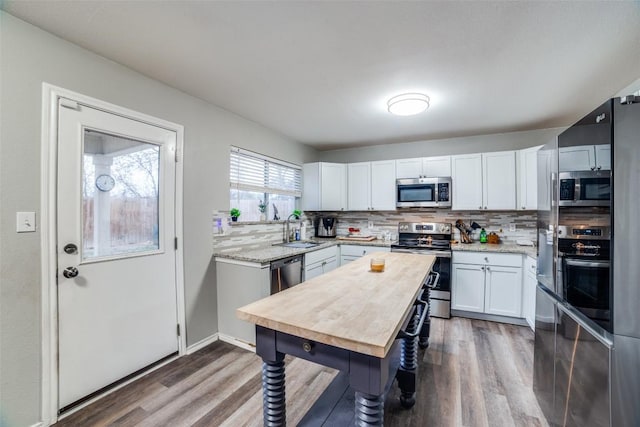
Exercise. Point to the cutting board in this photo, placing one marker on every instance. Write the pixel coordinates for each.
(357, 238)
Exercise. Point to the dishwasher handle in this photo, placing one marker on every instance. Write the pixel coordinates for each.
(286, 261)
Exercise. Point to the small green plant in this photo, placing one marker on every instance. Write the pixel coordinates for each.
(262, 206)
(235, 213)
(297, 213)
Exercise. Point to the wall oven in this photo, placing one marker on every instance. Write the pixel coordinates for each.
(423, 192)
(585, 188)
(585, 271)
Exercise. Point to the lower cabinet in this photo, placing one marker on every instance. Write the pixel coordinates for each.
(238, 285)
(350, 253)
(487, 283)
(320, 262)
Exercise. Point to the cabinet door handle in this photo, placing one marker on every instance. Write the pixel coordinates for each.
(593, 168)
(486, 259)
(482, 268)
(480, 207)
(523, 208)
(485, 207)
(488, 269)
(599, 167)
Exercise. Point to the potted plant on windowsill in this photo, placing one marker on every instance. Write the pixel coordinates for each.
(235, 213)
(296, 213)
(262, 207)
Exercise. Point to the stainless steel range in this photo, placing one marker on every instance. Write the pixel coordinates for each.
(430, 239)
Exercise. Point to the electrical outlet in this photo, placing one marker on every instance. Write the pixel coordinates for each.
(512, 227)
(370, 225)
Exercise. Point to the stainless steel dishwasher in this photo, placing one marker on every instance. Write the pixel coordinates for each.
(285, 273)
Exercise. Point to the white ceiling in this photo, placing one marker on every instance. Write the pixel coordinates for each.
(320, 72)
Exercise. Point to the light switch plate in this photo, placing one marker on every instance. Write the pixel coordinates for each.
(25, 222)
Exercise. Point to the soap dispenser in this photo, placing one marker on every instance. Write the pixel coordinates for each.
(483, 236)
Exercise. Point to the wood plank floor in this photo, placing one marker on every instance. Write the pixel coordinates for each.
(474, 373)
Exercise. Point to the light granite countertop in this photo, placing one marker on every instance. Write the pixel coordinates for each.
(262, 254)
(500, 247)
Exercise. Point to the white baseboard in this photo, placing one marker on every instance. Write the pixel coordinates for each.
(202, 343)
(237, 342)
(40, 424)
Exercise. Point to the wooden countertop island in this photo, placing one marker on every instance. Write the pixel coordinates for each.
(348, 319)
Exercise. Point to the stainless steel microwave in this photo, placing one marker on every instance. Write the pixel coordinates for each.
(423, 192)
(585, 188)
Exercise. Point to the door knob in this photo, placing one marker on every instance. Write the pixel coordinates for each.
(70, 272)
(70, 249)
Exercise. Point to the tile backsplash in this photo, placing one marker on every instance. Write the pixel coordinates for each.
(251, 235)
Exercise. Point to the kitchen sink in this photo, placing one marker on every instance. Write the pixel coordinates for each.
(298, 245)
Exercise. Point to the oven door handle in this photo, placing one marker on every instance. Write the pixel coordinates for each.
(441, 254)
(592, 264)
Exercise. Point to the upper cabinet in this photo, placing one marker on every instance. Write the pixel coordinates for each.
(528, 178)
(584, 158)
(423, 166)
(466, 176)
(371, 186)
(324, 187)
(484, 181)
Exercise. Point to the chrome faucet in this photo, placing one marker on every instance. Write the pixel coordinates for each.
(286, 229)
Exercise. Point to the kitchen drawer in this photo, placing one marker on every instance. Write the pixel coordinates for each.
(490, 258)
(358, 250)
(320, 255)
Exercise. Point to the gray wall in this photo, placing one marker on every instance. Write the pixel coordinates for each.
(442, 147)
(29, 57)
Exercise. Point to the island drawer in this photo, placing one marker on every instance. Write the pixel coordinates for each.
(323, 354)
(360, 250)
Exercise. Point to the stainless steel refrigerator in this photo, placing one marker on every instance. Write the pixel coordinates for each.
(587, 340)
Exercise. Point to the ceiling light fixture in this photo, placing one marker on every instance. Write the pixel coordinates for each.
(408, 104)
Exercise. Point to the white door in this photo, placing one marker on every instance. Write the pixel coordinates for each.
(359, 186)
(578, 158)
(333, 186)
(467, 284)
(116, 257)
(528, 179)
(383, 185)
(499, 180)
(466, 174)
(409, 168)
(437, 166)
(504, 291)
(603, 157)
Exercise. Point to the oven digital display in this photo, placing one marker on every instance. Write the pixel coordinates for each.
(424, 227)
(587, 232)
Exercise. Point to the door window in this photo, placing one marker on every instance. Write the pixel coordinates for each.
(120, 182)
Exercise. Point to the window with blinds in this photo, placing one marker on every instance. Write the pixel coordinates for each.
(263, 187)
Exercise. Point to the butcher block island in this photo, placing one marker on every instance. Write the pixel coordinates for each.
(351, 319)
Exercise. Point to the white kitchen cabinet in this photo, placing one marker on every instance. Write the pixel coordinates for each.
(584, 158)
(359, 186)
(324, 186)
(499, 180)
(484, 181)
(603, 157)
(529, 285)
(503, 291)
(319, 262)
(436, 166)
(350, 253)
(528, 179)
(485, 282)
(383, 185)
(423, 166)
(466, 175)
(467, 287)
(371, 186)
(409, 168)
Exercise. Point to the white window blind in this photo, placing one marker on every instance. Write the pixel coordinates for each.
(251, 171)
